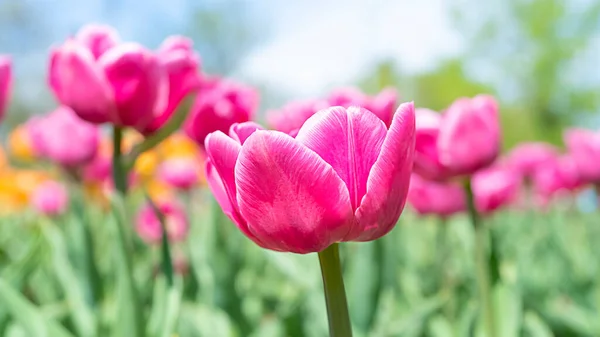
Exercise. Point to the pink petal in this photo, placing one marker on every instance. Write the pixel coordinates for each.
(388, 182)
(97, 38)
(5, 83)
(292, 199)
(79, 83)
(139, 83)
(469, 137)
(383, 105)
(241, 131)
(223, 153)
(349, 140)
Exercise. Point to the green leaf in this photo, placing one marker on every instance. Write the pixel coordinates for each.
(30, 318)
(82, 314)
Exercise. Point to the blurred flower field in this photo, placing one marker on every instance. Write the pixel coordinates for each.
(155, 201)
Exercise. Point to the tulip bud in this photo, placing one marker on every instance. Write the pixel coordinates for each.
(220, 104)
(63, 138)
(584, 147)
(430, 197)
(149, 227)
(182, 66)
(5, 83)
(50, 198)
(495, 187)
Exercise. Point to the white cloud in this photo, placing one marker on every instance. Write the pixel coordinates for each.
(318, 44)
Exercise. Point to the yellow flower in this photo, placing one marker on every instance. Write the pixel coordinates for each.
(158, 190)
(20, 145)
(178, 145)
(146, 164)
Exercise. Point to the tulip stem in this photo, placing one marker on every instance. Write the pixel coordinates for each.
(133, 310)
(481, 263)
(335, 295)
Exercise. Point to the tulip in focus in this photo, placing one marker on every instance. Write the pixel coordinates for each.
(181, 173)
(584, 148)
(290, 117)
(463, 140)
(344, 177)
(495, 187)
(182, 66)
(382, 105)
(64, 139)
(149, 228)
(5, 83)
(50, 198)
(103, 80)
(220, 104)
(527, 158)
(430, 197)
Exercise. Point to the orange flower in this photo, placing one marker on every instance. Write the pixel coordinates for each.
(20, 145)
(178, 145)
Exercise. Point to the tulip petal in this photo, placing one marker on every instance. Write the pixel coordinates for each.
(241, 131)
(349, 140)
(388, 182)
(292, 199)
(469, 137)
(222, 154)
(139, 82)
(80, 84)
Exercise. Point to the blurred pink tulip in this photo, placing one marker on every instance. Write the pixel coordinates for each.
(5, 83)
(102, 81)
(382, 105)
(149, 228)
(220, 104)
(290, 117)
(559, 177)
(344, 177)
(584, 147)
(50, 198)
(182, 66)
(179, 172)
(63, 138)
(464, 139)
(430, 197)
(527, 158)
(495, 187)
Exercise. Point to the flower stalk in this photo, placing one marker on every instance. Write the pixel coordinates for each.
(335, 294)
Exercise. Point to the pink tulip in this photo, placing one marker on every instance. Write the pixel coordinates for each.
(429, 197)
(464, 139)
(382, 105)
(584, 147)
(50, 198)
(124, 84)
(149, 228)
(527, 158)
(344, 177)
(182, 66)
(63, 138)
(495, 187)
(559, 177)
(220, 104)
(5, 83)
(290, 117)
(179, 172)
(99, 169)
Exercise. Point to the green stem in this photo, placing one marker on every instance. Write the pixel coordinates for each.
(481, 263)
(165, 248)
(120, 181)
(335, 295)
